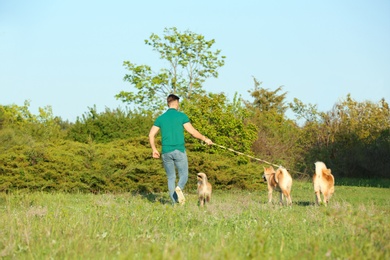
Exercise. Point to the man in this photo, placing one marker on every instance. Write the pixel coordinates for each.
(172, 124)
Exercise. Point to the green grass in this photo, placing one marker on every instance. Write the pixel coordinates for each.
(236, 225)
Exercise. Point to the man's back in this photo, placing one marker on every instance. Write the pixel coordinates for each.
(172, 130)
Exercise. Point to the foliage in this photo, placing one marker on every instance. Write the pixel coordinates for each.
(118, 166)
(110, 152)
(110, 125)
(266, 100)
(190, 59)
(222, 121)
(366, 120)
(277, 135)
(71, 166)
(235, 225)
(353, 139)
(44, 126)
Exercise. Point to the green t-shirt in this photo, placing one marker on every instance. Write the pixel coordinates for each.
(172, 130)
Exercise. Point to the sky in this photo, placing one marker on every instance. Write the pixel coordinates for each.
(69, 54)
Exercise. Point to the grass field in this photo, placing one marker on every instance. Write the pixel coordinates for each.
(236, 225)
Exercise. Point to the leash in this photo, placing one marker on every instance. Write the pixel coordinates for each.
(254, 158)
(247, 155)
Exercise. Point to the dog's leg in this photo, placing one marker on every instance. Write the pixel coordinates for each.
(317, 192)
(208, 198)
(269, 195)
(281, 198)
(289, 200)
(318, 197)
(287, 197)
(201, 200)
(326, 198)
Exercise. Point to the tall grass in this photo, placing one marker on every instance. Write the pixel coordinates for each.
(236, 225)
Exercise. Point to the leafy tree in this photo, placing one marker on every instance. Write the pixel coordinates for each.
(277, 135)
(223, 121)
(308, 112)
(191, 61)
(361, 144)
(313, 131)
(353, 138)
(267, 100)
(366, 119)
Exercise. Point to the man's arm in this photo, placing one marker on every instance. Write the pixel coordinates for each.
(190, 129)
(153, 131)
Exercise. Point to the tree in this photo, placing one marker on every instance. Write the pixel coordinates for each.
(222, 121)
(277, 135)
(267, 100)
(308, 112)
(353, 138)
(191, 61)
(366, 119)
(361, 145)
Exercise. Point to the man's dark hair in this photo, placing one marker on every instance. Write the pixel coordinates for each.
(171, 98)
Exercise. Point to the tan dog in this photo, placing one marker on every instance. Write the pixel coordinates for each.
(279, 181)
(204, 189)
(323, 182)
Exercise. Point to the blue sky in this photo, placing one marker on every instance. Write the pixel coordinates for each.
(69, 54)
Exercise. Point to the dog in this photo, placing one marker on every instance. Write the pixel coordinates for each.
(204, 189)
(323, 182)
(279, 180)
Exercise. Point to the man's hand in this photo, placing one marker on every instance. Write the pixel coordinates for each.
(155, 154)
(208, 141)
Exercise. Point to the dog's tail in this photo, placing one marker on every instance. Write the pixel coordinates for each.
(279, 172)
(321, 169)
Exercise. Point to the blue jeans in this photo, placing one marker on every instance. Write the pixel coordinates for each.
(170, 160)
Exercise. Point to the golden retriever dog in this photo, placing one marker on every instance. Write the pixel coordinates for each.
(279, 180)
(204, 189)
(323, 182)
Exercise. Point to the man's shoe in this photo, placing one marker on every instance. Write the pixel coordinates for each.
(180, 196)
